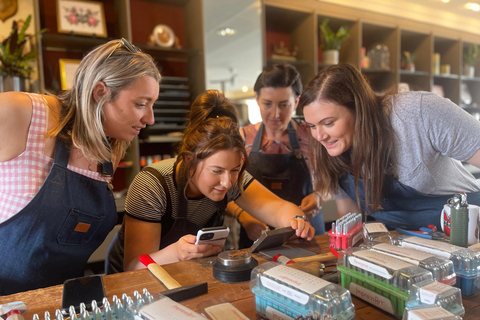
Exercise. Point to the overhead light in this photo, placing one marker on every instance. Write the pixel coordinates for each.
(244, 88)
(474, 6)
(446, 1)
(225, 32)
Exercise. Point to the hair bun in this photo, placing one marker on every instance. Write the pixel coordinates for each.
(218, 112)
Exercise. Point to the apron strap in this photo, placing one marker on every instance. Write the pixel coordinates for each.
(62, 152)
(258, 139)
(62, 155)
(292, 139)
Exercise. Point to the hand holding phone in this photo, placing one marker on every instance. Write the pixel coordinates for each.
(215, 236)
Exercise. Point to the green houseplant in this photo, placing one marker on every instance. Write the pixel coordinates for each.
(15, 59)
(470, 58)
(332, 41)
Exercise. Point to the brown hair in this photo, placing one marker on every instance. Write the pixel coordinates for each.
(371, 153)
(212, 126)
(279, 76)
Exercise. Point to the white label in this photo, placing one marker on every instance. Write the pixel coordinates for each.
(405, 254)
(429, 314)
(296, 278)
(225, 311)
(356, 238)
(435, 247)
(375, 227)
(288, 292)
(274, 314)
(372, 297)
(429, 293)
(167, 309)
(377, 262)
(475, 247)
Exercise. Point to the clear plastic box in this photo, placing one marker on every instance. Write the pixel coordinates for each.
(466, 262)
(436, 293)
(283, 291)
(379, 279)
(428, 312)
(441, 268)
(375, 232)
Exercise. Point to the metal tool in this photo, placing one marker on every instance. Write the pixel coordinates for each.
(176, 291)
(426, 233)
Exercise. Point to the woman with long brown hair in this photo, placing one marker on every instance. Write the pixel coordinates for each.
(169, 201)
(397, 158)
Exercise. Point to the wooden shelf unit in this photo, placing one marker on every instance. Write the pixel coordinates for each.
(297, 24)
(135, 21)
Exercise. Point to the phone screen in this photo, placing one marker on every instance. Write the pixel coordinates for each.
(85, 289)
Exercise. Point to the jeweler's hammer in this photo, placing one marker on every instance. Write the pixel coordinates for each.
(176, 291)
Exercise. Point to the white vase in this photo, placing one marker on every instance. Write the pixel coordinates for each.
(469, 71)
(8, 83)
(330, 57)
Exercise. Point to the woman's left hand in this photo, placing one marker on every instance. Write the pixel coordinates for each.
(302, 227)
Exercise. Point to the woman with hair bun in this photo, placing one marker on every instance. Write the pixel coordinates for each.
(169, 201)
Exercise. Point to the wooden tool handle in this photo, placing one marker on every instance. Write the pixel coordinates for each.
(159, 272)
(163, 276)
(318, 257)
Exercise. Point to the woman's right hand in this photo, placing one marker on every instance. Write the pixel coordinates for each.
(254, 227)
(186, 248)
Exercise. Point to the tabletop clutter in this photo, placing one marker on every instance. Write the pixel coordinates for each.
(414, 275)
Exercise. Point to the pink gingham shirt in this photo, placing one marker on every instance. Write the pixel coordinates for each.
(22, 176)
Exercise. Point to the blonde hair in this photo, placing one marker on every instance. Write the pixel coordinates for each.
(81, 116)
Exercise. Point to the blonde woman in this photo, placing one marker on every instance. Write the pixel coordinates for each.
(57, 158)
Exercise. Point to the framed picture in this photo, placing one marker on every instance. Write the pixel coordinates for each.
(81, 17)
(68, 67)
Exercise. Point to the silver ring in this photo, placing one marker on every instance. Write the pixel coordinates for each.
(301, 217)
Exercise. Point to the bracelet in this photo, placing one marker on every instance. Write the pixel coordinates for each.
(235, 211)
(238, 216)
(301, 217)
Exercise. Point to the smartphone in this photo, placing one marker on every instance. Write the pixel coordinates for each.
(85, 289)
(214, 235)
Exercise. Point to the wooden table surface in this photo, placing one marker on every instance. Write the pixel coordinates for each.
(196, 271)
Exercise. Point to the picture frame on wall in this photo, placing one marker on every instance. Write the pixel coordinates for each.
(81, 17)
(68, 68)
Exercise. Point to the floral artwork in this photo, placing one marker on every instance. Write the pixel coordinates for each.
(81, 17)
(76, 16)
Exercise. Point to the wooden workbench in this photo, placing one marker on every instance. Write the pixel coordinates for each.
(196, 271)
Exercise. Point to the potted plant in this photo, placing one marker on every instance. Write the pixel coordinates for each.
(408, 61)
(470, 58)
(332, 41)
(15, 58)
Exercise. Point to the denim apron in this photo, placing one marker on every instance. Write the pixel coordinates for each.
(172, 229)
(286, 175)
(403, 206)
(51, 239)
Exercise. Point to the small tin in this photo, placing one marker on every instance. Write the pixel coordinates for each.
(234, 266)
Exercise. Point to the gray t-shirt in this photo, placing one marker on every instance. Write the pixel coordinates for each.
(432, 136)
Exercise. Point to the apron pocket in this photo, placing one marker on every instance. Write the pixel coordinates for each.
(279, 186)
(78, 228)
